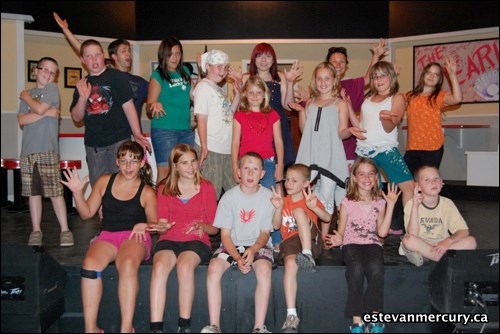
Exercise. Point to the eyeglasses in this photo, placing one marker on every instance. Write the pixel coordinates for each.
(132, 163)
(335, 49)
(47, 71)
(380, 76)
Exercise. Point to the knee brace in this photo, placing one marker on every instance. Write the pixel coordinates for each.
(92, 274)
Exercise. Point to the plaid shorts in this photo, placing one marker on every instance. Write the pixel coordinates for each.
(265, 253)
(41, 175)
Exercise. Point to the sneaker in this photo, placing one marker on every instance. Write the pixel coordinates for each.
(357, 328)
(291, 324)
(66, 239)
(184, 329)
(211, 329)
(306, 262)
(376, 327)
(158, 331)
(263, 329)
(414, 257)
(35, 239)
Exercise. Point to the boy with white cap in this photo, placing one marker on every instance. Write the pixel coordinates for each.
(214, 114)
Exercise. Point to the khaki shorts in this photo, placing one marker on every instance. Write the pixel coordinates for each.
(41, 175)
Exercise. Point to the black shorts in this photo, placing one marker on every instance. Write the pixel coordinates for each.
(198, 247)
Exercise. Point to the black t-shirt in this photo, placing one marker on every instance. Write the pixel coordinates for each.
(105, 121)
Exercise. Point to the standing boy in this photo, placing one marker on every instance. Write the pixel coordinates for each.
(103, 100)
(40, 173)
(433, 223)
(121, 53)
(297, 216)
(244, 216)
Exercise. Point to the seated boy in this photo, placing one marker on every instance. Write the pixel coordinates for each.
(296, 216)
(433, 223)
(244, 215)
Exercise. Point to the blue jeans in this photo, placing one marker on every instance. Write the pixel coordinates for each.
(165, 140)
(269, 181)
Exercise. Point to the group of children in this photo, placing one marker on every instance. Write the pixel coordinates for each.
(250, 151)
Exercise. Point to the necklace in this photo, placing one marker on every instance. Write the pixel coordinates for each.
(257, 122)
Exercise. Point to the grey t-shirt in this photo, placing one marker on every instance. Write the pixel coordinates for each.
(42, 135)
(246, 215)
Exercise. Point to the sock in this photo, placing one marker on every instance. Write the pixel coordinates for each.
(291, 311)
(184, 322)
(156, 326)
(307, 251)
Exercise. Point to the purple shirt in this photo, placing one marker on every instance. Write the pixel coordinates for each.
(355, 88)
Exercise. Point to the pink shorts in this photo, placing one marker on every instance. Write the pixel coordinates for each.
(117, 238)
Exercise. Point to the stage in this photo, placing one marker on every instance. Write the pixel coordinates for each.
(320, 300)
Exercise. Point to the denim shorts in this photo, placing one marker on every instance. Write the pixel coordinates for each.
(393, 166)
(268, 180)
(165, 140)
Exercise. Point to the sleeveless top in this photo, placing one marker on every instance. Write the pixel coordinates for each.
(377, 140)
(320, 146)
(121, 215)
(286, 132)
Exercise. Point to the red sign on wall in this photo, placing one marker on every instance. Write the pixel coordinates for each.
(477, 66)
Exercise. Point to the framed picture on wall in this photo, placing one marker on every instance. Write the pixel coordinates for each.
(71, 76)
(154, 65)
(477, 70)
(32, 65)
(193, 68)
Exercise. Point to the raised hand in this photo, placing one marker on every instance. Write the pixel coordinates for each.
(311, 199)
(73, 181)
(235, 74)
(277, 198)
(392, 193)
(294, 72)
(380, 49)
(417, 196)
(84, 88)
(451, 66)
(63, 24)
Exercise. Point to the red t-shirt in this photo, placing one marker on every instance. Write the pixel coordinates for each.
(257, 132)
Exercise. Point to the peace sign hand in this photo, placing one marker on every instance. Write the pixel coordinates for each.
(277, 198)
(311, 199)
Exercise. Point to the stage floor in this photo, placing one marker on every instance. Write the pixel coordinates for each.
(481, 216)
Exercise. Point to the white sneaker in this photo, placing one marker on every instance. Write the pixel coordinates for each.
(211, 329)
(291, 324)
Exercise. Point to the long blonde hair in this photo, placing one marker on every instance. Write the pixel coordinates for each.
(170, 183)
(336, 79)
(352, 187)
